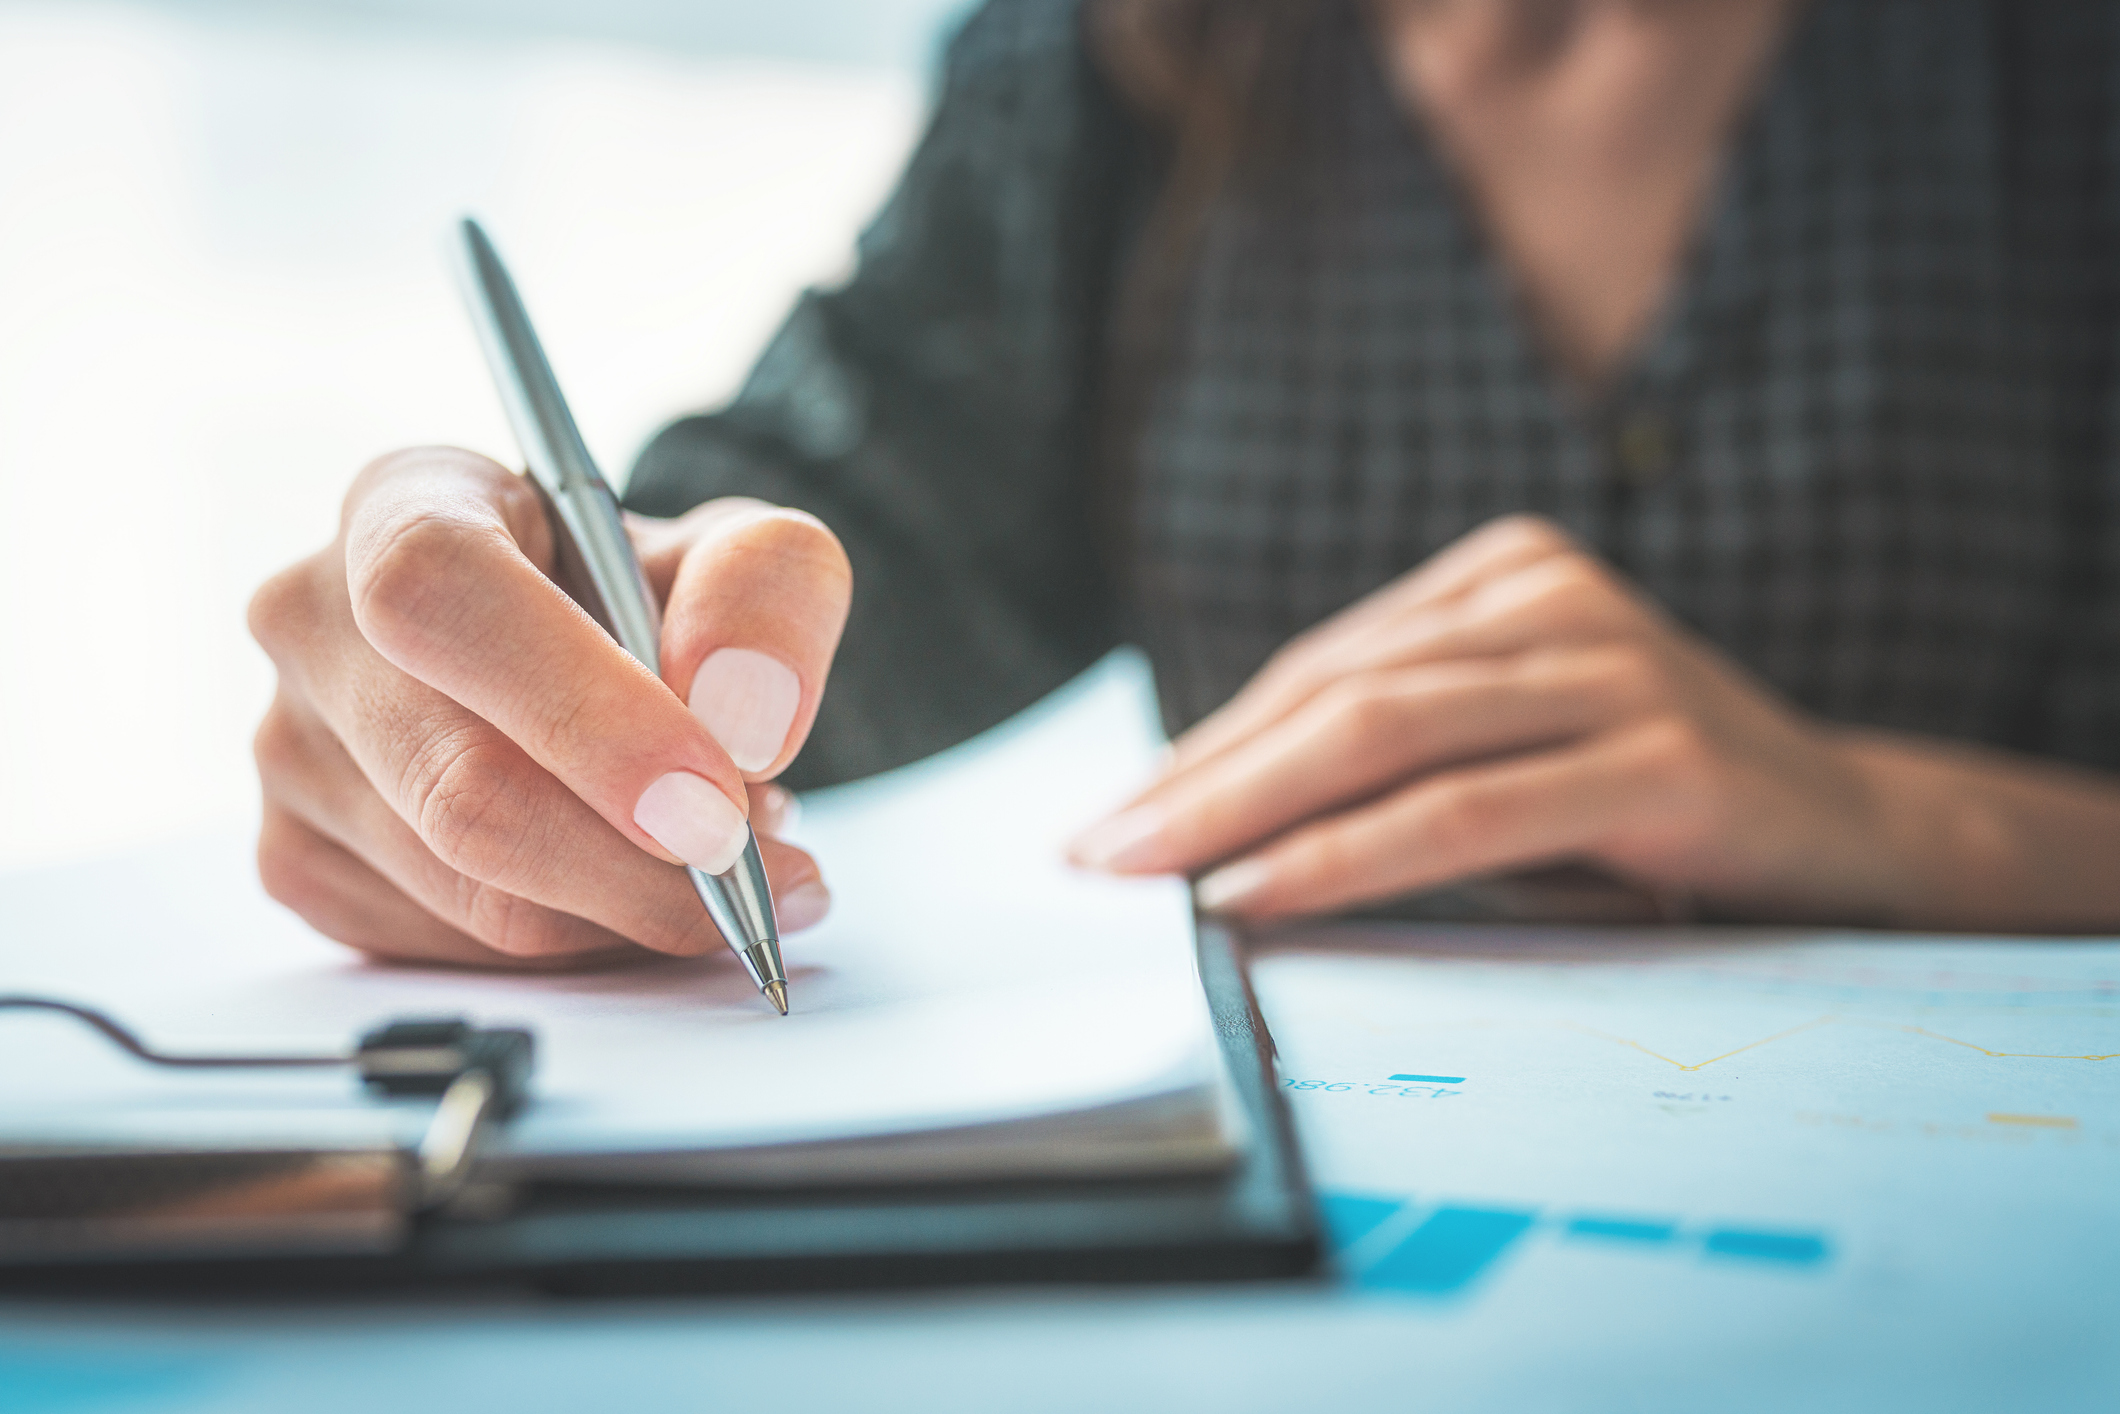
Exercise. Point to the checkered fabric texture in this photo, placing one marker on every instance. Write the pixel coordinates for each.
(1868, 449)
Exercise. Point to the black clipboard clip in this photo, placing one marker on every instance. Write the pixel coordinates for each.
(80, 1202)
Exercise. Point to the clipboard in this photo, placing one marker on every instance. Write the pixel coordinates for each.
(1255, 1220)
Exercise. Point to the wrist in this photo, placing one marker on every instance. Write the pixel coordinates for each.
(1946, 856)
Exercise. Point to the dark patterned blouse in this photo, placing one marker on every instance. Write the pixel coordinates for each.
(1869, 449)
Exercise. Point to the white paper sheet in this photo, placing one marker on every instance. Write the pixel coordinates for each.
(967, 977)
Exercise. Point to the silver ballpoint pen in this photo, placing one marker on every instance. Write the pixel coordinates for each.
(596, 554)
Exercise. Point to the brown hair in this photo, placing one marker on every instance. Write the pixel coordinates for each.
(1217, 78)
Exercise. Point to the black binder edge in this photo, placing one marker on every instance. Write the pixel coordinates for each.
(1255, 1221)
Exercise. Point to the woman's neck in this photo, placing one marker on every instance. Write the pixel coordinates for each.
(1588, 133)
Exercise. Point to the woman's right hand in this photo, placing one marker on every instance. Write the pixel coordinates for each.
(462, 767)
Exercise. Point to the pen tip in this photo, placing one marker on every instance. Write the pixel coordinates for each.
(777, 994)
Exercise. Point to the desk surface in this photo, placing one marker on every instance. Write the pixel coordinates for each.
(1709, 1170)
(1923, 1256)
(1628, 1170)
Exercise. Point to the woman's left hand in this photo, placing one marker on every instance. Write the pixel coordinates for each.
(1511, 703)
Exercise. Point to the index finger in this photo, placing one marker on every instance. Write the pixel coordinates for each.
(1494, 550)
(442, 588)
(1561, 599)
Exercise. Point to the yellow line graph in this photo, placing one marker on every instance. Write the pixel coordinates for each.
(1810, 1025)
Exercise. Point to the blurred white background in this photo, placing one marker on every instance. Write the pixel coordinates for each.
(222, 290)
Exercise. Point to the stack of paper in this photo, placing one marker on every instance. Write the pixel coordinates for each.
(973, 1008)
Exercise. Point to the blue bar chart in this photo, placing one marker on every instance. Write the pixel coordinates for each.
(1401, 1245)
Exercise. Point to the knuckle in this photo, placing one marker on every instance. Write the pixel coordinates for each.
(1678, 749)
(1532, 532)
(1301, 650)
(398, 576)
(1458, 811)
(1581, 578)
(522, 512)
(285, 872)
(1324, 859)
(1631, 670)
(1303, 666)
(278, 610)
(1578, 591)
(1692, 785)
(468, 806)
(509, 923)
(279, 746)
(1362, 714)
(1545, 677)
(514, 497)
(1284, 672)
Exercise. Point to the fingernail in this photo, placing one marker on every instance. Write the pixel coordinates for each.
(747, 700)
(691, 819)
(1127, 840)
(803, 906)
(1231, 884)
